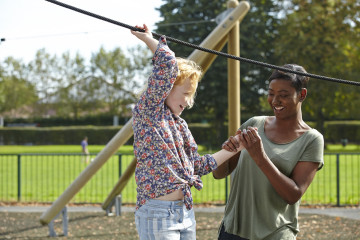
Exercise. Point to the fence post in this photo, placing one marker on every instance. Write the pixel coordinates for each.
(120, 157)
(338, 180)
(19, 177)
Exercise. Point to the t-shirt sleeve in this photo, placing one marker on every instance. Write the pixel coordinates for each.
(253, 122)
(314, 151)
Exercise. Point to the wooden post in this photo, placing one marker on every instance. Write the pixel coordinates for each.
(120, 185)
(234, 75)
(118, 140)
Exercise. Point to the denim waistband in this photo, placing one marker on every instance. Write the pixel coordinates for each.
(165, 204)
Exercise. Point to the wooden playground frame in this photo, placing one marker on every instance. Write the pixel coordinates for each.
(227, 31)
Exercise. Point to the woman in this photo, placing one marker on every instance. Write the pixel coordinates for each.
(281, 157)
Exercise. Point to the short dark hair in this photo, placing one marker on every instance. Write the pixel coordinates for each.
(297, 81)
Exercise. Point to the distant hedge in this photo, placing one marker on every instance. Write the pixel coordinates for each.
(96, 120)
(56, 135)
(73, 135)
(337, 130)
(204, 134)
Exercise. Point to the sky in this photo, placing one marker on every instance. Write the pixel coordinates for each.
(30, 25)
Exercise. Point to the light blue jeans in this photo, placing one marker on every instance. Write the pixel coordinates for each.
(163, 220)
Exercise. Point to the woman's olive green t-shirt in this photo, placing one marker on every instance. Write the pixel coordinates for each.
(255, 210)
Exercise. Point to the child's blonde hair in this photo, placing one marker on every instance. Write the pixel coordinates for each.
(188, 69)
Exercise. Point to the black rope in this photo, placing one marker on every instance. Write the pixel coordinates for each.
(205, 49)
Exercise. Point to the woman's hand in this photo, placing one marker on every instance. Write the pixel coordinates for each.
(233, 144)
(251, 140)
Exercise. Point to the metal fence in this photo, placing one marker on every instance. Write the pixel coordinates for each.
(44, 177)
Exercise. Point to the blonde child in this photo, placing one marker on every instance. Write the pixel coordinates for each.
(168, 163)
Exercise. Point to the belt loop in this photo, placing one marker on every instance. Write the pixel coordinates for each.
(172, 205)
(181, 213)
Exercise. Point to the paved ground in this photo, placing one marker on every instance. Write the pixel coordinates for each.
(91, 222)
(345, 212)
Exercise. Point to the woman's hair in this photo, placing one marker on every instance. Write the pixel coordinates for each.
(297, 81)
(188, 69)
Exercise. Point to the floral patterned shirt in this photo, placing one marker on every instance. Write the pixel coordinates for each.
(166, 152)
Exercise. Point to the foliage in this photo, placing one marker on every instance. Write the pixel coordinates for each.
(88, 120)
(96, 134)
(44, 75)
(76, 94)
(258, 35)
(58, 135)
(15, 90)
(69, 87)
(202, 132)
(319, 35)
(113, 74)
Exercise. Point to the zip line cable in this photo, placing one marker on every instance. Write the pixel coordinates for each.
(205, 49)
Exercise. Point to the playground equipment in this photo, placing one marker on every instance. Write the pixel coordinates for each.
(226, 31)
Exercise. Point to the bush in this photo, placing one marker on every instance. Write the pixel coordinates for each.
(204, 134)
(57, 135)
(337, 130)
(96, 120)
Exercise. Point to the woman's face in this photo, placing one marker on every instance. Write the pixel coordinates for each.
(283, 99)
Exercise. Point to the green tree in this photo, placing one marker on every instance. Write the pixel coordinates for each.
(44, 74)
(15, 91)
(117, 77)
(323, 37)
(77, 95)
(258, 35)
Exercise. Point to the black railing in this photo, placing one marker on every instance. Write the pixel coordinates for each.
(44, 177)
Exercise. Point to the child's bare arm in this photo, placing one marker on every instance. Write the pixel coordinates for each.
(232, 145)
(227, 157)
(146, 37)
(227, 167)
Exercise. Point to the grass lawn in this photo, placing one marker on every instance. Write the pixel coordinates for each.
(323, 189)
(17, 149)
(337, 148)
(45, 177)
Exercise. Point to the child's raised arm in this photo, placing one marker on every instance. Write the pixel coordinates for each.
(146, 37)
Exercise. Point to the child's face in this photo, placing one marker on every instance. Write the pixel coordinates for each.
(179, 97)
